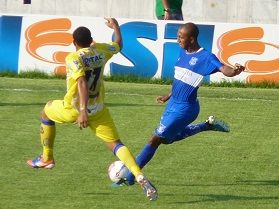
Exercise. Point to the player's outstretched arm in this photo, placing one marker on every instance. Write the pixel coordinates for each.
(231, 72)
(113, 24)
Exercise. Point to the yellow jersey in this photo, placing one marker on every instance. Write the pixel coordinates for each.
(88, 62)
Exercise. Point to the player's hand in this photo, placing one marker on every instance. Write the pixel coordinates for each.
(162, 99)
(111, 22)
(238, 69)
(82, 120)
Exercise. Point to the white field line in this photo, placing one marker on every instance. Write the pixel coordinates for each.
(222, 98)
(136, 94)
(30, 90)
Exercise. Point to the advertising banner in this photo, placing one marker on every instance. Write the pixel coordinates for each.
(149, 47)
(254, 46)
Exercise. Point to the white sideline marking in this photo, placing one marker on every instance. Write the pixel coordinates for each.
(136, 94)
(30, 90)
(240, 99)
(222, 98)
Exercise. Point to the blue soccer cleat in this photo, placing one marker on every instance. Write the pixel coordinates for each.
(120, 183)
(217, 125)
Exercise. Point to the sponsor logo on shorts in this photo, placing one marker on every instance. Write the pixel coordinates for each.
(161, 128)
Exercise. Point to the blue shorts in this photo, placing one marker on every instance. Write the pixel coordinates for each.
(175, 118)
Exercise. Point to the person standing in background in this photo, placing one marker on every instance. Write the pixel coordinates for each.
(169, 9)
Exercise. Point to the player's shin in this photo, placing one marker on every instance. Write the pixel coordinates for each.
(191, 130)
(123, 153)
(142, 159)
(47, 134)
(127, 158)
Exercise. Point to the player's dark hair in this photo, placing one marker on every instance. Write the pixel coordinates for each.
(192, 29)
(82, 36)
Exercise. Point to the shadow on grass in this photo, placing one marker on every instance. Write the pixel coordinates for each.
(21, 104)
(219, 198)
(106, 194)
(261, 182)
(237, 183)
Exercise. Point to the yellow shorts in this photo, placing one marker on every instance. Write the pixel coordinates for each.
(100, 123)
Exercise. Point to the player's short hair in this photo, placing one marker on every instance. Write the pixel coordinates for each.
(82, 36)
(192, 29)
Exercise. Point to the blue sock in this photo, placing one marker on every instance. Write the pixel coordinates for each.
(191, 130)
(142, 159)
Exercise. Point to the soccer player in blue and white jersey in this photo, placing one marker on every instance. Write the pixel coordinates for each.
(193, 64)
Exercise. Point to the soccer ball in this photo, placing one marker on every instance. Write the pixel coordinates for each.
(117, 170)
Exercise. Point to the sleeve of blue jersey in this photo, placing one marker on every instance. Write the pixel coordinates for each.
(214, 64)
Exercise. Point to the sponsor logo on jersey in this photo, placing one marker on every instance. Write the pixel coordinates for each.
(76, 63)
(93, 59)
(112, 49)
(193, 61)
(187, 76)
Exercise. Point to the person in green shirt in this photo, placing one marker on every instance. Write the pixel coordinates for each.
(169, 9)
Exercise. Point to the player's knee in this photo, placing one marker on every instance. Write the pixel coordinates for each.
(49, 103)
(45, 120)
(111, 145)
(155, 141)
(43, 115)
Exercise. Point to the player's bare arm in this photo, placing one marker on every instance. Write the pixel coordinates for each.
(113, 24)
(231, 72)
(82, 119)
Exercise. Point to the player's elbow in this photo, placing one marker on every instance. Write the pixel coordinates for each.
(82, 83)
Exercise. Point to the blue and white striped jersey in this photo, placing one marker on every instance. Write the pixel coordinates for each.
(189, 72)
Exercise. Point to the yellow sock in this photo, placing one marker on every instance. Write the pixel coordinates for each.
(127, 158)
(47, 133)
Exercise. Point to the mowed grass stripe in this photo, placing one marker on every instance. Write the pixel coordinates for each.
(210, 170)
(142, 94)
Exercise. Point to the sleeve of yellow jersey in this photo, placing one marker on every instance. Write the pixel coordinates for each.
(75, 66)
(109, 48)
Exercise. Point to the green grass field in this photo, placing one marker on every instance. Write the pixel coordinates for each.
(237, 170)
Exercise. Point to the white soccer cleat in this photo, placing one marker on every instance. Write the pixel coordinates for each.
(217, 125)
(149, 190)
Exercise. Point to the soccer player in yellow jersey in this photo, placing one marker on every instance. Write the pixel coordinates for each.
(84, 103)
